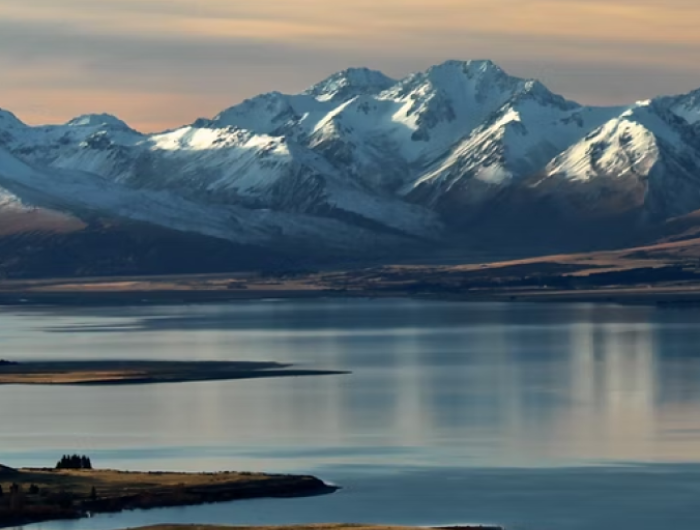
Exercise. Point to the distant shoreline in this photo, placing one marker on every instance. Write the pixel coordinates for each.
(653, 296)
(155, 297)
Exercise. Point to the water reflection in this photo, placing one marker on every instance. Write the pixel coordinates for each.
(491, 384)
(512, 394)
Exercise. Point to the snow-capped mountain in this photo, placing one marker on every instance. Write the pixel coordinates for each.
(516, 141)
(645, 160)
(362, 163)
(686, 106)
(349, 84)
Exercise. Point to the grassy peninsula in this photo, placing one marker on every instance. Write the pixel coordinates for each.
(35, 495)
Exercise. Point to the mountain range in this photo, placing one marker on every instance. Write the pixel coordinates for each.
(461, 158)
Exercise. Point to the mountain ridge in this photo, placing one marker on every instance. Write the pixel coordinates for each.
(460, 155)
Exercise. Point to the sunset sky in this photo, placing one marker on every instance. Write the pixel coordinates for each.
(160, 63)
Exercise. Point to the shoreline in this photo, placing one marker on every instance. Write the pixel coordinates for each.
(650, 296)
(69, 494)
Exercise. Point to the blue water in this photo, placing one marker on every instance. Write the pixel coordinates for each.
(537, 417)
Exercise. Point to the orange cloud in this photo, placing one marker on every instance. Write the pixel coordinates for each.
(640, 33)
(672, 21)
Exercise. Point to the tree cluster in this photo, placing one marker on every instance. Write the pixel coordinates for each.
(74, 462)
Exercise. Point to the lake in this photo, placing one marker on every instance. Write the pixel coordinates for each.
(537, 417)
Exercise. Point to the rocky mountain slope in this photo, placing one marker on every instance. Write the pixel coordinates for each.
(362, 166)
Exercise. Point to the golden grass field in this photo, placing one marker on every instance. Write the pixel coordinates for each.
(35, 495)
(110, 483)
(452, 281)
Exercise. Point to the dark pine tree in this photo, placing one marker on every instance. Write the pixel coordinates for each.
(74, 462)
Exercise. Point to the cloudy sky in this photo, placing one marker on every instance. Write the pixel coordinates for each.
(160, 63)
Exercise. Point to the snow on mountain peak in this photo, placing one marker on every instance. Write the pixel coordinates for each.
(687, 106)
(533, 90)
(471, 67)
(627, 145)
(462, 82)
(262, 114)
(350, 83)
(485, 79)
(477, 71)
(447, 102)
(97, 120)
(7, 119)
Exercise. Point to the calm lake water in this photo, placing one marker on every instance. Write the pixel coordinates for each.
(537, 417)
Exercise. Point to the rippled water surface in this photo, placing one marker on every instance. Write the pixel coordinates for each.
(537, 417)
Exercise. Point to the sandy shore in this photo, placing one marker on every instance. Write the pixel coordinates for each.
(142, 372)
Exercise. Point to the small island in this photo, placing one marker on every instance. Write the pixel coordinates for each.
(73, 490)
(142, 372)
